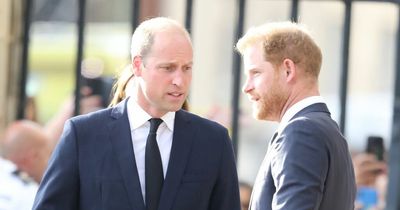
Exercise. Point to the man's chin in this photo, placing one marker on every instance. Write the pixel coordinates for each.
(259, 115)
(175, 107)
(256, 115)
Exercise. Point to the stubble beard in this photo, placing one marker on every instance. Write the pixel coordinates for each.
(173, 106)
(270, 104)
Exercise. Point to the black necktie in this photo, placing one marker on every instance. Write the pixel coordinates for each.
(153, 167)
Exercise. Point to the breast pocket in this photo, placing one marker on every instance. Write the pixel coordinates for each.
(195, 177)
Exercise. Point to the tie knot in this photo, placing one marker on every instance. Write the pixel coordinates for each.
(154, 123)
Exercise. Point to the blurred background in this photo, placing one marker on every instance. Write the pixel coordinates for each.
(40, 51)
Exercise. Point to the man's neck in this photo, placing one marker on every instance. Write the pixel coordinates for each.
(297, 95)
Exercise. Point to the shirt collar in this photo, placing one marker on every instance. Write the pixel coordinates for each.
(297, 107)
(138, 117)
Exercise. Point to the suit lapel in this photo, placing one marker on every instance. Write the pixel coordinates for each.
(180, 151)
(120, 137)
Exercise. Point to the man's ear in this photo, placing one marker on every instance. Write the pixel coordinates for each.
(137, 63)
(290, 69)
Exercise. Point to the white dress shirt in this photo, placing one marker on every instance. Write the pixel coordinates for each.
(297, 107)
(140, 126)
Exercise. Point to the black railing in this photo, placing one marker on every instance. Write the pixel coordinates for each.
(345, 65)
(24, 60)
(236, 77)
(189, 15)
(79, 54)
(295, 11)
(135, 14)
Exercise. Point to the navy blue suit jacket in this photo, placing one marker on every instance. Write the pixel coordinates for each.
(307, 166)
(93, 166)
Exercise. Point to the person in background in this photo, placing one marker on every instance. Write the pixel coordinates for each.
(367, 169)
(88, 103)
(15, 192)
(371, 179)
(245, 193)
(28, 146)
(381, 185)
(308, 164)
(145, 153)
(30, 111)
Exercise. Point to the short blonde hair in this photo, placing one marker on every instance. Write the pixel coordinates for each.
(283, 40)
(143, 37)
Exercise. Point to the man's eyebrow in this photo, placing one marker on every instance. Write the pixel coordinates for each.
(174, 63)
(252, 69)
(189, 64)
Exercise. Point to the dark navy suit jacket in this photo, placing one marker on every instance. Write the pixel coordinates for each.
(307, 166)
(93, 166)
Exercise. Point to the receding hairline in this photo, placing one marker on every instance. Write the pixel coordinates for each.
(160, 24)
(149, 29)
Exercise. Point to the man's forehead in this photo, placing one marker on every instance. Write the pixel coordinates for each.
(171, 34)
(252, 56)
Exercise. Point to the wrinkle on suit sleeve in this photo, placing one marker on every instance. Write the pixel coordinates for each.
(299, 167)
(59, 189)
(225, 194)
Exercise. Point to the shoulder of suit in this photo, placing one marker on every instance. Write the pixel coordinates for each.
(302, 124)
(313, 126)
(201, 121)
(310, 118)
(102, 113)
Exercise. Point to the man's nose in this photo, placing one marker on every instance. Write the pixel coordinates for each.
(178, 78)
(246, 87)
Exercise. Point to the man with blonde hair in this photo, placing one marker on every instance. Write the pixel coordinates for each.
(145, 153)
(307, 165)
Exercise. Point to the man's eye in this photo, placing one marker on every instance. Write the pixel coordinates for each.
(188, 68)
(167, 68)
